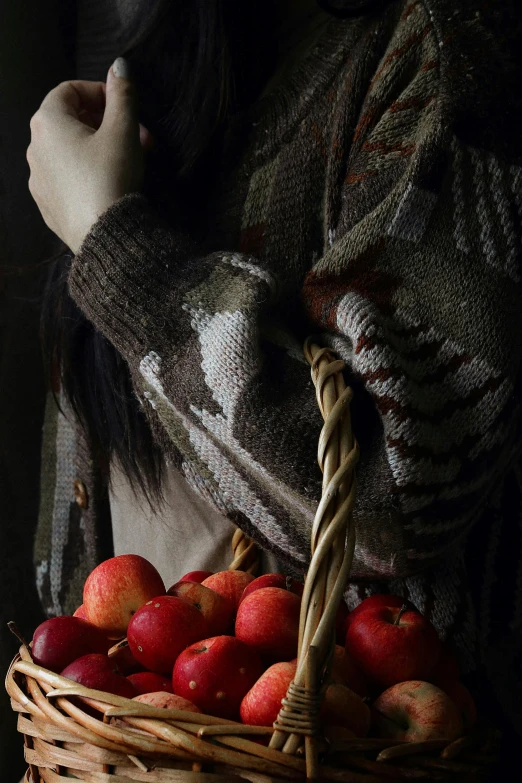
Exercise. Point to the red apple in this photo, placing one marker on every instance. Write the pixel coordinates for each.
(195, 576)
(342, 707)
(80, 612)
(167, 701)
(117, 588)
(121, 655)
(392, 645)
(262, 703)
(216, 609)
(229, 584)
(287, 583)
(150, 682)
(216, 673)
(376, 602)
(416, 712)
(345, 672)
(274, 580)
(100, 673)
(460, 695)
(161, 629)
(59, 641)
(268, 621)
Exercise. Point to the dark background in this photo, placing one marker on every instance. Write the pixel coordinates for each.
(41, 45)
(33, 59)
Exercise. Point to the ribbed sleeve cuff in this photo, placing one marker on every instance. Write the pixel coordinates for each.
(125, 270)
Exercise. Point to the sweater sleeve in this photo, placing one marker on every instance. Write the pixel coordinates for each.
(228, 393)
(236, 401)
(418, 289)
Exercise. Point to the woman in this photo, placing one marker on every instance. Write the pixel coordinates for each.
(366, 187)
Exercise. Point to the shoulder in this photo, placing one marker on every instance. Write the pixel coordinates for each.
(475, 48)
(433, 76)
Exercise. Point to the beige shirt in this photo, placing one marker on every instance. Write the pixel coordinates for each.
(186, 534)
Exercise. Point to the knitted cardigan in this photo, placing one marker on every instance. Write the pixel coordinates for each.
(376, 202)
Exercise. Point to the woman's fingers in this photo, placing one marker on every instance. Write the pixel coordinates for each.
(86, 101)
(91, 118)
(94, 120)
(121, 106)
(73, 97)
(147, 140)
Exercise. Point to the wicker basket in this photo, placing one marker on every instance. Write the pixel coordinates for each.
(136, 742)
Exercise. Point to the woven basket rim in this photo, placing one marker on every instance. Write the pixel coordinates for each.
(477, 760)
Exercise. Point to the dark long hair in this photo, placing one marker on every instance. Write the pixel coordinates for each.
(194, 63)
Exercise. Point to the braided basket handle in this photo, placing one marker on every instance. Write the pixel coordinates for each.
(332, 548)
(247, 556)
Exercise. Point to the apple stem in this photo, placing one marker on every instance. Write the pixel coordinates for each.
(288, 582)
(403, 608)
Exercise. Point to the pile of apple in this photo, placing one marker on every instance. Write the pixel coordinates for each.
(225, 644)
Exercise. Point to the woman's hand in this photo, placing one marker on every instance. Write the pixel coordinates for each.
(86, 152)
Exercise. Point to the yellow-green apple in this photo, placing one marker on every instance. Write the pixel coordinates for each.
(116, 589)
(268, 621)
(99, 672)
(150, 682)
(59, 641)
(261, 705)
(195, 576)
(167, 701)
(346, 672)
(416, 711)
(375, 602)
(216, 673)
(80, 612)
(229, 584)
(274, 580)
(459, 694)
(342, 707)
(218, 611)
(393, 645)
(161, 629)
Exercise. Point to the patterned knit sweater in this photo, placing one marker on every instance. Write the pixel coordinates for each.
(377, 203)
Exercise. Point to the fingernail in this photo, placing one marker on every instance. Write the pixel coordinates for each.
(121, 68)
